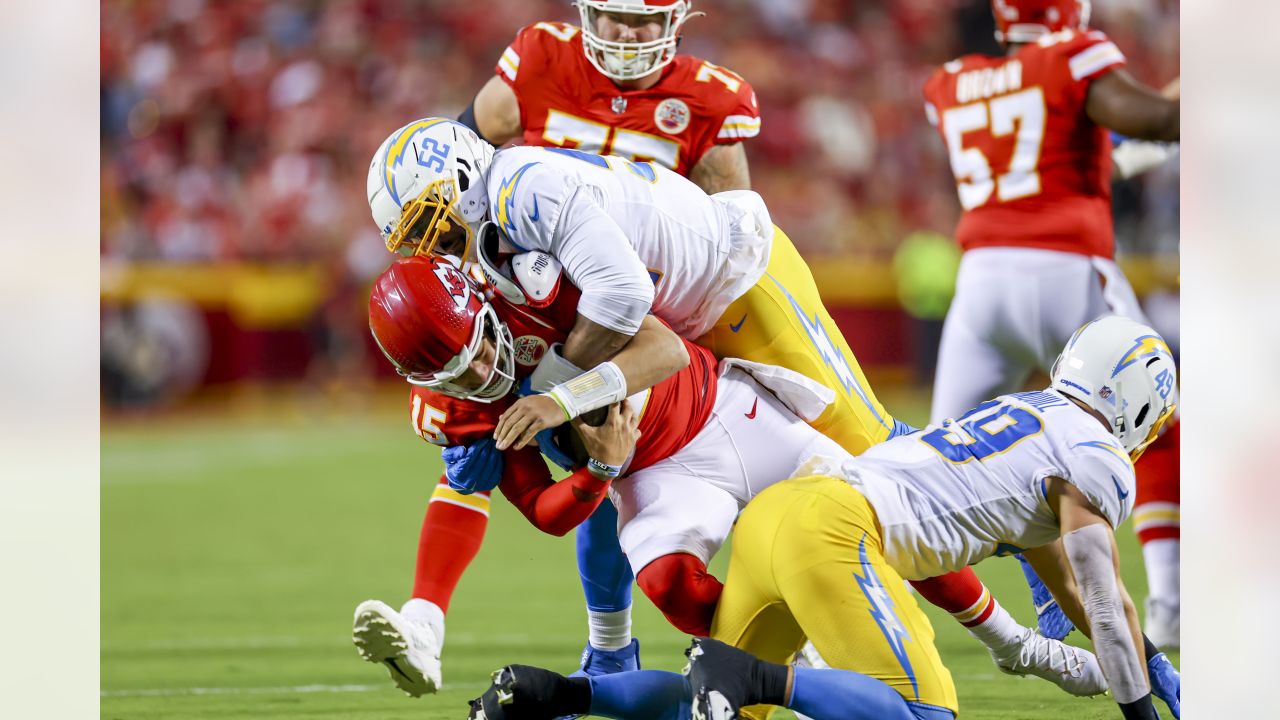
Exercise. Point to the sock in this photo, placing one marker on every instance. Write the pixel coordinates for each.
(963, 595)
(427, 613)
(609, 630)
(606, 579)
(1157, 516)
(641, 695)
(1163, 571)
(829, 694)
(680, 586)
(452, 533)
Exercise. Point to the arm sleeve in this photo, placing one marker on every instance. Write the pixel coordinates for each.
(1089, 552)
(600, 260)
(552, 507)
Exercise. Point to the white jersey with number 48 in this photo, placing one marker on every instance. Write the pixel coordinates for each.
(627, 232)
(954, 494)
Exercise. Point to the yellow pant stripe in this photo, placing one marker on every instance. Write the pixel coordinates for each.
(444, 493)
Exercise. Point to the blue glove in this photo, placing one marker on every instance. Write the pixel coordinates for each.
(473, 468)
(1166, 682)
(551, 451)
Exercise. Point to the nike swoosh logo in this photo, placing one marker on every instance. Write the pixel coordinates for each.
(752, 415)
(1041, 608)
(1119, 490)
(738, 327)
(533, 217)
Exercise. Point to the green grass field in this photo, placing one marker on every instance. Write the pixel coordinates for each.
(235, 548)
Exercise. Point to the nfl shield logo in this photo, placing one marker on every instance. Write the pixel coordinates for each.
(619, 105)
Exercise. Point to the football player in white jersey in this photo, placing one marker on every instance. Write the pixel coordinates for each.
(636, 238)
(1046, 473)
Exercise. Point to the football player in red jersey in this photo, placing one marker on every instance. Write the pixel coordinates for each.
(1028, 134)
(616, 86)
(613, 86)
(711, 437)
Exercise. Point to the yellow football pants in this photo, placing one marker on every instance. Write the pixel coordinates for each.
(808, 561)
(781, 321)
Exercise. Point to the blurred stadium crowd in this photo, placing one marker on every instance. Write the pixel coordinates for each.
(239, 134)
(242, 130)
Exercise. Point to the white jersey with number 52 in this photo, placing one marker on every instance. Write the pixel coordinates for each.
(954, 494)
(631, 234)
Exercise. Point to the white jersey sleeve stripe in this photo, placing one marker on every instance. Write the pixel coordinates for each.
(739, 126)
(509, 63)
(1099, 57)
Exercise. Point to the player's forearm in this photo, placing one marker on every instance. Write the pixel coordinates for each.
(1112, 621)
(590, 343)
(558, 507)
(653, 355)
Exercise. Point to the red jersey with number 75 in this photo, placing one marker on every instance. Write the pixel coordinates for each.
(565, 102)
(1031, 168)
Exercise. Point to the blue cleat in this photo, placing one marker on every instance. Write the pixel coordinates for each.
(1166, 683)
(607, 662)
(1052, 621)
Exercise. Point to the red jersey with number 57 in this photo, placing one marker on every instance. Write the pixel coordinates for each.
(1031, 168)
(565, 102)
(671, 413)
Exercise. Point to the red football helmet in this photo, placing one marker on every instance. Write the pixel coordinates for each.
(1024, 21)
(431, 321)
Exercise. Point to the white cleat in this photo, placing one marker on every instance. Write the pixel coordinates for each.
(410, 650)
(1164, 624)
(1073, 669)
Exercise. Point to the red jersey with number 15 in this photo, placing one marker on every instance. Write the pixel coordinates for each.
(672, 412)
(565, 102)
(1031, 168)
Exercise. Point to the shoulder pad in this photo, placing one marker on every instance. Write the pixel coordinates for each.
(538, 275)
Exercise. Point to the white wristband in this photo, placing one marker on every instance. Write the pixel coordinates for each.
(552, 370)
(599, 387)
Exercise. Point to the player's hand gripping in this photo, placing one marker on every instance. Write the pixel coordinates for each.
(529, 416)
(612, 442)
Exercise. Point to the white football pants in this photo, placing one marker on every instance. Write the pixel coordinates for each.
(1013, 312)
(688, 502)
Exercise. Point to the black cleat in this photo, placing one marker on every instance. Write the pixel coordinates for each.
(523, 692)
(721, 677)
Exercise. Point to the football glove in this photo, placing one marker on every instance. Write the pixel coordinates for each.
(1166, 683)
(473, 468)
